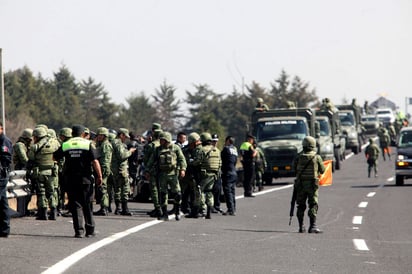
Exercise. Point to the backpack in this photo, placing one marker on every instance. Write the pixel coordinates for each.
(167, 159)
(212, 160)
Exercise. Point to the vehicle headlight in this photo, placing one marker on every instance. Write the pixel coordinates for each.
(352, 134)
(402, 157)
(326, 149)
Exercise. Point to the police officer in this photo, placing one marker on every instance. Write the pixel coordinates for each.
(6, 152)
(229, 156)
(80, 159)
(121, 171)
(168, 164)
(105, 150)
(308, 166)
(21, 148)
(44, 173)
(372, 154)
(209, 170)
(248, 154)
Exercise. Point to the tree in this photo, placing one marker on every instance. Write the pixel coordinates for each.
(139, 115)
(167, 107)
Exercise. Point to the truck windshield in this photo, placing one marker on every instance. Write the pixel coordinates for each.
(281, 129)
(346, 119)
(405, 139)
(324, 127)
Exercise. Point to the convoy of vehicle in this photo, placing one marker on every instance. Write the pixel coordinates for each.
(385, 115)
(350, 121)
(371, 123)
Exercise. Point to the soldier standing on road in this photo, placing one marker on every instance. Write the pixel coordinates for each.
(21, 149)
(43, 172)
(168, 164)
(80, 159)
(248, 154)
(217, 187)
(229, 175)
(6, 152)
(384, 141)
(372, 154)
(121, 171)
(260, 166)
(105, 149)
(308, 166)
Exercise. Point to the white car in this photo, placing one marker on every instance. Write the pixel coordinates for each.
(385, 115)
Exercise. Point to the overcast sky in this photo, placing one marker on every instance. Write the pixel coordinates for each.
(344, 49)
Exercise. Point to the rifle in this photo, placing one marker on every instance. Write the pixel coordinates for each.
(295, 191)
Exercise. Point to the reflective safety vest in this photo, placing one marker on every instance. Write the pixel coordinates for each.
(76, 143)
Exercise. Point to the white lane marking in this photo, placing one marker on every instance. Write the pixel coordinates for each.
(371, 194)
(64, 264)
(360, 244)
(357, 220)
(355, 228)
(363, 204)
(390, 179)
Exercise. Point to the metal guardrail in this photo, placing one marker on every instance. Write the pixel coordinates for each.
(17, 186)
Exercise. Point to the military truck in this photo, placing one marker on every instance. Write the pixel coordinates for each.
(279, 133)
(331, 139)
(350, 118)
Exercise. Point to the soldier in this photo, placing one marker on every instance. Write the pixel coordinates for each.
(384, 141)
(148, 151)
(392, 133)
(21, 149)
(110, 180)
(6, 152)
(308, 166)
(260, 166)
(209, 170)
(229, 156)
(121, 172)
(372, 154)
(190, 184)
(168, 164)
(248, 154)
(53, 139)
(261, 106)
(217, 187)
(105, 150)
(43, 172)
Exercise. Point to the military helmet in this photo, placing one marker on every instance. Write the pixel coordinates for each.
(39, 132)
(260, 100)
(193, 137)
(165, 136)
(43, 126)
(205, 136)
(51, 132)
(27, 133)
(66, 132)
(309, 143)
(102, 131)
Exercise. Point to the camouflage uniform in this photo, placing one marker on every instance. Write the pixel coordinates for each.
(384, 140)
(21, 149)
(308, 166)
(105, 151)
(260, 166)
(372, 154)
(43, 172)
(168, 164)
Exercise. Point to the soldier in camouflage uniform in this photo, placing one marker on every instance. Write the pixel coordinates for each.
(110, 180)
(260, 166)
(308, 166)
(384, 141)
(168, 164)
(53, 139)
(21, 148)
(105, 151)
(372, 154)
(121, 171)
(43, 172)
(209, 169)
(148, 152)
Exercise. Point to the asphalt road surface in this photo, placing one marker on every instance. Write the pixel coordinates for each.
(366, 224)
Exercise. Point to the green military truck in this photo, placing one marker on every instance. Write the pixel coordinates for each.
(332, 143)
(349, 116)
(279, 133)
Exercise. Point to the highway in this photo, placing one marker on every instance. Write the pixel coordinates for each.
(366, 224)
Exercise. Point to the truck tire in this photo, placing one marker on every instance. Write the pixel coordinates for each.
(399, 180)
(355, 150)
(337, 158)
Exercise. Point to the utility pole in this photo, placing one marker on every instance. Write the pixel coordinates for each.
(3, 115)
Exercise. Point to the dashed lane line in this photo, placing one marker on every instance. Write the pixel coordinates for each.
(360, 244)
(371, 194)
(357, 220)
(363, 204)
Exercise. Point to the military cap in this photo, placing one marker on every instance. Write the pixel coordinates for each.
(156, 126)
(165, 136)
(27, 133)
(205, 136)
(193, 137)
(77, 130)
(215, 137)
(39, 132)
(103, 131)
(125, 131)
(66, 132)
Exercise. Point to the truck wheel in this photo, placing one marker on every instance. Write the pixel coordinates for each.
(268, 180)
(337, 159)
(399, 180)
(355, 150)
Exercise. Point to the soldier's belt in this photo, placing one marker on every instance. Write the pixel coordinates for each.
(45, 167)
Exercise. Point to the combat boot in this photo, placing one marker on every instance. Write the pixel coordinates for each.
(42, 214)
(156, 213)
(53, 214)
(313, 227)
(193, 213)
(208, 211)
(118, 209)
(177, 212)
(302, 228)
(102, 212)
(125, 210)
(164, 217)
